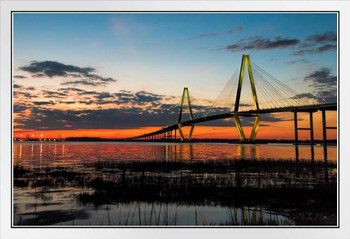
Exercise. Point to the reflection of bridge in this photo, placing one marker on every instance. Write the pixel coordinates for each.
(274, 97)
(186, 152)
(172, 152)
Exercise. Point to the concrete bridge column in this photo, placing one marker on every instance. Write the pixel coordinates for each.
(296, 127)
(324, 129)
(311, 129)
(296, 135)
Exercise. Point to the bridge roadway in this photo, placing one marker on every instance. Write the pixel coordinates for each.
(306, 108)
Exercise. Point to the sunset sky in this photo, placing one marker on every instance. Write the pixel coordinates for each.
(119, 75)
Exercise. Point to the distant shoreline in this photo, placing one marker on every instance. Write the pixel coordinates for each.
(229, 141)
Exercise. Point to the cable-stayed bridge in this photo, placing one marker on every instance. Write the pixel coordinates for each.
(251, 92)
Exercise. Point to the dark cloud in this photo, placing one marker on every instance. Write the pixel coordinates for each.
(140, 109)
(312, 44)
(54, 94)
(39, 75)
(271, 118)
(91, 119)
(235, 29)
(87, 102)
(115, 118)
(209, 35)
(67, 102)
(125, 97)
(88, 93)
(205, 35)
(324, 84)
(317, 50)
(322, 38)
(97, 77)
(304, 95)
(309, 46)
(54, 69)
(17, 87)
(322, 77)
(19, 77)
(258, 43)
(70, 89)
(84, 82)
(104, 95)
(143, 97)
(43, 102)
(22, 93)
(298, 61)
(18, 107)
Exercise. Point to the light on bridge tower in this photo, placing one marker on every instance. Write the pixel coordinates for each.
(245, 58)
(180, 114)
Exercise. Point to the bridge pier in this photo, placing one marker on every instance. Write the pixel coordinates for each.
(312, 142)
(324, 130)
(296, 135)
(312, 136)
(296, 127)
(311, 128)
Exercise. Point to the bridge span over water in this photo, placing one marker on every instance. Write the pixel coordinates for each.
(273, 97)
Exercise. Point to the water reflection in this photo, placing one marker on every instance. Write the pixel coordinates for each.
(145, 214)
(85, 183)
(63, 153)
(312, 153)
(20, 154)
(180, 152)
(41, 153)
(180, 193)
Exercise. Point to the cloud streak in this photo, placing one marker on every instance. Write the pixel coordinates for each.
(304, 95)
(235, 29)
(323, 38)
(43, 102)
(311, 45)
(216, 34)
(19, 77)
(298, 61)
(204, 35)
(258, 43)
(84, 82)
(317, 50)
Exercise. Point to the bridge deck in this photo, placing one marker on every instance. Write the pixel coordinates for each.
(306, 108)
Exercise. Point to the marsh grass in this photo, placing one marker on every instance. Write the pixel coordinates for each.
(283, 186)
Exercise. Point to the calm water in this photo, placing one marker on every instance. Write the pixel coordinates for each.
(91, 195)
(67, 153)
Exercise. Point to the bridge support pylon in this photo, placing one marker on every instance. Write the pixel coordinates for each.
(246, 59)
(185, 92)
